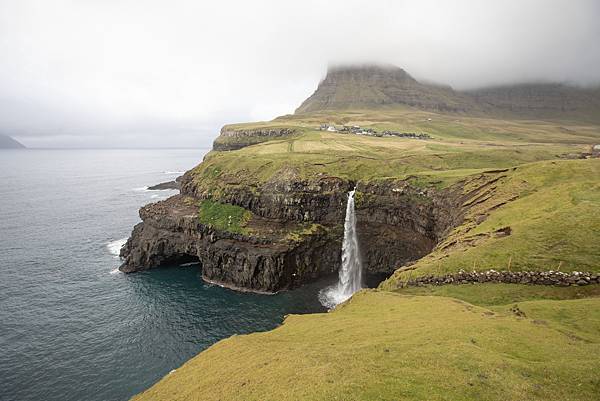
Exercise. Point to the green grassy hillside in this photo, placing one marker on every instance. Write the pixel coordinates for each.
(390, 346)
(552, 210)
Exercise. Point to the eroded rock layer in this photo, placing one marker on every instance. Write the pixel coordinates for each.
(170, 232)
(233, 139)
(295, 231)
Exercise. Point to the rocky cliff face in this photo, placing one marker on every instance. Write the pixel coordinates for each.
(320, 200)
(236, 138)
(295, 233)
(171, 233)
(398, 223)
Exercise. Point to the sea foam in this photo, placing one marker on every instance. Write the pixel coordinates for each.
(114, 247)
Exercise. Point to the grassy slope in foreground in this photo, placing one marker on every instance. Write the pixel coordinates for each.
(388, 346)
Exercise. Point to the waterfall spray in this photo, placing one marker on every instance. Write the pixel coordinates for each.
(350, 274)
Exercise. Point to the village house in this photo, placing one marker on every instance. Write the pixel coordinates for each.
(357, 130)
(327, 127)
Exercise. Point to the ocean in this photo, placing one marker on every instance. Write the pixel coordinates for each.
(71, 326)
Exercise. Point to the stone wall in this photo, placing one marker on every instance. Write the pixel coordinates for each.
(563, 279)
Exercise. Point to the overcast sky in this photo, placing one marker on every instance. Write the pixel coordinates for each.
(124, 73)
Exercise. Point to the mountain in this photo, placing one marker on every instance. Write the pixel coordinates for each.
(368, 86)
(373, 86)
(6, 142)
(541, 100)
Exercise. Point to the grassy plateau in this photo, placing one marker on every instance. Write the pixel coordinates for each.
(460, 146)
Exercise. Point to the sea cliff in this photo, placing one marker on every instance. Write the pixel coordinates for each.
(293, 230)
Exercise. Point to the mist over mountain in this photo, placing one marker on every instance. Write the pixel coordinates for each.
(124, 74)
(370, 86)
(367, 86)
(542, 100)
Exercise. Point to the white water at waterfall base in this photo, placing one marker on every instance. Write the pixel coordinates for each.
(350, 274)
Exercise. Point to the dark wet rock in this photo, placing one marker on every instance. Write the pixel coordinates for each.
(321, 200)
(171, 234)
(175, 184)
(396, 223)
(165, 185)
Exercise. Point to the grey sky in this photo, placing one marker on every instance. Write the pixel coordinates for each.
(170, 73)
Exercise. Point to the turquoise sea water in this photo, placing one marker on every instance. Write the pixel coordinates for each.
(71, 328)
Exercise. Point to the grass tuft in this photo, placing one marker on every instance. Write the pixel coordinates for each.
(224, 217)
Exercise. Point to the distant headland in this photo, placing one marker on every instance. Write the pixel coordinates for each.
(6, 142)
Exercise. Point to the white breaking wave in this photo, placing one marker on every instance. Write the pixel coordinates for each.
(350, 274)
(114, 247)
(141, 189)
(173, 172)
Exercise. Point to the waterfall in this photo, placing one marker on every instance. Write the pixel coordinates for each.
(350, 274)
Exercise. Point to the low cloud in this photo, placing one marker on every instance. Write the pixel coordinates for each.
(170, 73)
